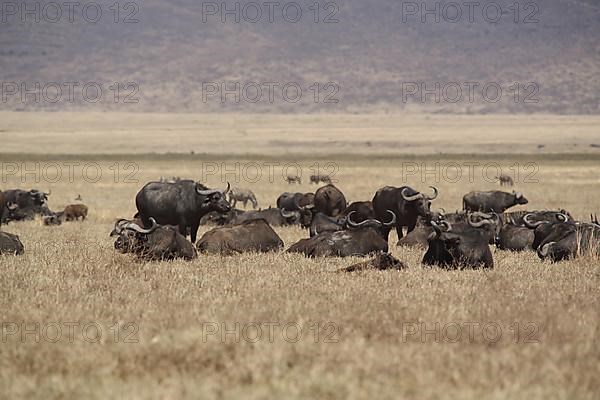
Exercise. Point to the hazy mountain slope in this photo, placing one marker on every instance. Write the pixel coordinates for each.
(370, 54)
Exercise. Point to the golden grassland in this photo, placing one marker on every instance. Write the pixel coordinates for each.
(363, 334)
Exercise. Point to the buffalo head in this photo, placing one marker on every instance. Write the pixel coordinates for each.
(215, 199)
(420, 201)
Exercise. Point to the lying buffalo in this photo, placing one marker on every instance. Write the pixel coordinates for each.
(295, 201)
(155, 243)
(220, 219)
(406, 203)
(381, 262)
(458, 247)
(359, 239)
(518, 233)
(251, 236)
(274, 216)
(492, 201)
(566, 240)
(10, 244)
(182, 203)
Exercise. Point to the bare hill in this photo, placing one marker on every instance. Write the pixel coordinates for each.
(378, 56)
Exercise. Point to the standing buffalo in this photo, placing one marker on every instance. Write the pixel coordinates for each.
(330, 200)
(243, 195)
(182, 203)
(492, 201)
(10, 244)
(155, 243)
(406, 203)
(505, 180)
(253, 235)
(320, 178)
(341, 244)
(462, 246)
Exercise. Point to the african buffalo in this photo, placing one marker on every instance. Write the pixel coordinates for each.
(253, 235)
(341, 243)
(567, 240)
(330, 200)
(155, 243)
(54, 219)
(217, 218)
(295, 201)
(492, 201)
(518, 231)
(182, 203)
(458, 247)
(243, 195)
(406, 203)
(25, 204)
(10, 244)
(274, 216)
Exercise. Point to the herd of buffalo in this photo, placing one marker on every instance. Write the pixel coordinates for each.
(170, 210)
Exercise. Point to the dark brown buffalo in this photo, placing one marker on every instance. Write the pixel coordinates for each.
(406, 203)
(295, 201)
(381, 262)
(155, 243)
(358, 239)
(274, 216)
(363, 210)
(518, 230)
(220, 219)
(566, 240)
(330, 200)
(458, 247)
(182, 203)
(10, 244)
(251, 236)
(492, 201)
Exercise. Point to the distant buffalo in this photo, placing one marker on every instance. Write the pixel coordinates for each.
(492, 201)
(251, 236)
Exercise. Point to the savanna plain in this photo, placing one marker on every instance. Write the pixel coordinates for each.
(280, 325)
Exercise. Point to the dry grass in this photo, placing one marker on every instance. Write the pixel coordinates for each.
(71, 273)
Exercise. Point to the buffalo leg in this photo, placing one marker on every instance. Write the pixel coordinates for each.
(385, 231)
(194, 231)
(399, 231)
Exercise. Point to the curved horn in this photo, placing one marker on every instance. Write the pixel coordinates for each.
(447, 225)
(12, 206)
(410, 198)
(543, 251)
(477, 224)
(359, 224)
(119, 226)
(135, 227)
(529, 224)
(287, 214)
(227, 190)
(437, 231)
(483, 215)
(435, 193)
(49, 192)
(392, 222)
(442, 211)
(563, 217)
(208, 192)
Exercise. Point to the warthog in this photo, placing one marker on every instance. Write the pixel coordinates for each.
(73, 212)
(253, 235)
(294, 179)
(505, 180)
